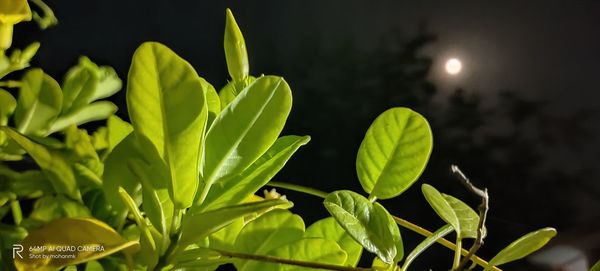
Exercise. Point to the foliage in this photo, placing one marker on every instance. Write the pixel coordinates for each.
(176, 188)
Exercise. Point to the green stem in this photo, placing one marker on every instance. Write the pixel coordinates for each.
(264, 258)
(17, 214)
(457, 251)
(402, 222)
(299, 188)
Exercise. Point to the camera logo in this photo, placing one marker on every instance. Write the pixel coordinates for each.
(17, 249)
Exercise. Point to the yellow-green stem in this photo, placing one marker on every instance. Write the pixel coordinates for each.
(457, 253)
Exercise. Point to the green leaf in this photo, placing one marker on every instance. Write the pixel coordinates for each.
(118, 130)
(269, 231)
(118, 174)
(212, 101)
(307, 249)
(463, 219)
(52, 163)
(72, 232)
(40, 101)
(328, 228)
(88, 113)
(425, 244)
(236, 189)
(368, 223)
(224, 239)
(199, 259)
(197, 226)
(166, 103)
(246, 128)
(394, 152)
(232, 89)
(524, 246)
(235, 49)
(596, 266)
(50, 208)
(78, 87)
(8, 104)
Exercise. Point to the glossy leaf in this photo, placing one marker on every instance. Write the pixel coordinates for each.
(52, 163)
(39, 103)
(234, 190)
(453, 211)
(166, 104)
(394, 152)
(235, 49)
(197, 226)
(246, 128)
(307, 249)
(425, 244)
(72, 232)
(368, 223)
(524, 246)
(328, 228)
(268, 232)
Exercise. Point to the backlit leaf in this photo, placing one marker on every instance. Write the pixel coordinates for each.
(394, 152)
(328, 228)
(307, 249)
(425, 244)
(40, 101)
(235, 49)
(524, 246)
(453, 211)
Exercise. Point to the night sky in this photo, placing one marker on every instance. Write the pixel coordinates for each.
(547, 51)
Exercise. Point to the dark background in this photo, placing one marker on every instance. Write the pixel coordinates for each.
(521, 119)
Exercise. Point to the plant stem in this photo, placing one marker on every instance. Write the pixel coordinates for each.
(299, 188)
(443, 242)
(17, 214)
(457, 251)
(272, 259)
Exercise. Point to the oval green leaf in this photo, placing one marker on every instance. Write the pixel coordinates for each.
(246, 128)
(368, 223)
(8, 104)
(330, 229)
(524, 246)
(463, 219)
(85, 232)
(425, 244)
(394, 152)
(235, 49)
(307, 249)
(166, 103)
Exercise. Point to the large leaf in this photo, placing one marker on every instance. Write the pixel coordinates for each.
(268, 232)
(196, 226)
(463, 219)
(118, 174)
(166, 103)
(524, 246)
(224, 239)
(90, 233)
(40, 101)
(368, 223)
(394, 152)
(234, 190)
(328, 228)
(246, 128)
(425, 244)
(235, 49)
(309, 250)
(52, 163)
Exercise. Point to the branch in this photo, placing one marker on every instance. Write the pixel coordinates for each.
(483, 210)
(264, 258)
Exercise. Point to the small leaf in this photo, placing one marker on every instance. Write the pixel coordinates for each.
(8, 104)
(232, 89)
(88, 113)
(212, 102)
(425, 244)
(40, 101)
(307, 249)
(524, 246)
(394, 152)
(166, 103)
(197, 226)
(78, 87)
(235, 49)
(596, 266)
(328, 228)
(246, 128)
(368, 223)
(85, 232)
(269, 231)
(50, 208)
(453, 211)
(52, 163)
(234, 190)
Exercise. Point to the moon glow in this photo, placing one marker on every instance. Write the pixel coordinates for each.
(453, 66)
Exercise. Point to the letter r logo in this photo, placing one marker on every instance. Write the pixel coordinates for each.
(17, 249)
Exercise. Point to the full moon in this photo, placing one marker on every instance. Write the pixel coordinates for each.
(453, 66)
